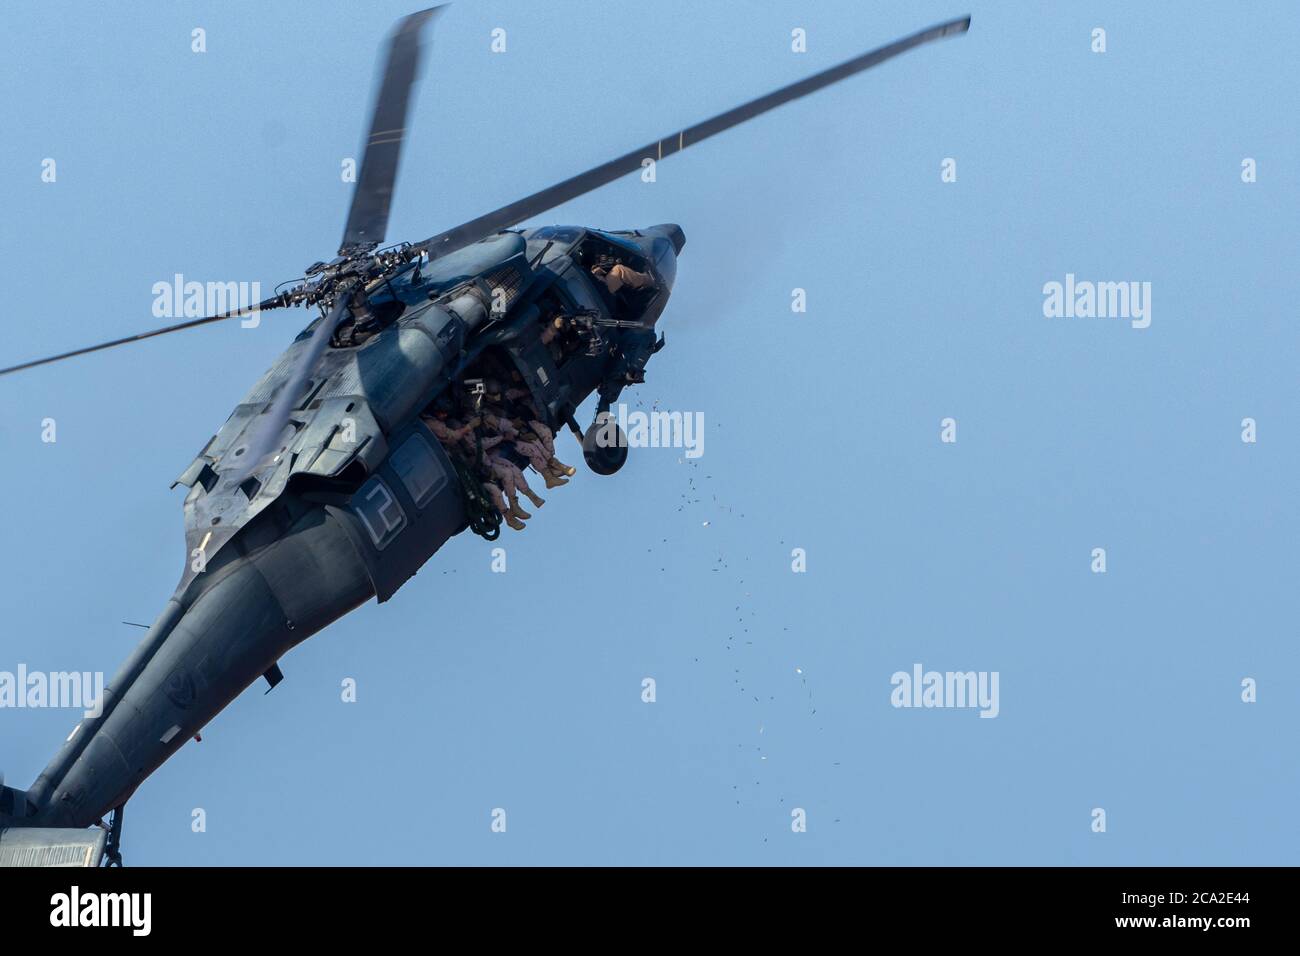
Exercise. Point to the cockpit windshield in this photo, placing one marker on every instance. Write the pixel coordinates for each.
(621, 241)
(560, 235)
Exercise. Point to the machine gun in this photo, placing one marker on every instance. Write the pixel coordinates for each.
(589, 322)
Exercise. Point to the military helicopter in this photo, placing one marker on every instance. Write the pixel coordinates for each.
(325, 487)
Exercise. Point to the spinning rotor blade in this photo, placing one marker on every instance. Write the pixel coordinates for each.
(368, 217)
(275, 302)
(539, 202)
(270, 425)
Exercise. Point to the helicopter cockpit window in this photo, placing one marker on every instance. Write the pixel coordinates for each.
(621, 242)
(557, 234)
(598, 246)
(546, 243)
(599, 249)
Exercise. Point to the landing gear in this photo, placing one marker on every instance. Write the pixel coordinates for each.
(604, 446)
(113, 849)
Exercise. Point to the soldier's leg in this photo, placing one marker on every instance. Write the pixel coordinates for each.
(499, 502)
(545, 436)
(522, 484)
(506, 472)
(537, 458)
(533, 452)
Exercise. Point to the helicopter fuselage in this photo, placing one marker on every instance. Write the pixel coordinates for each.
(358, 497)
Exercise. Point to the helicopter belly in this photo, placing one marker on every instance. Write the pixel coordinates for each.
(274, 589)
(255, 608)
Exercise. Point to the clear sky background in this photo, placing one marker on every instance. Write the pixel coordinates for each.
(523, 690)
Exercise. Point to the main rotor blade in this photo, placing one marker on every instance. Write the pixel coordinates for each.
(539, 202)
(368, 217)
(275, 302)
(270, 426)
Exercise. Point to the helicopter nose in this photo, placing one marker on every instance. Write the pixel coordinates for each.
(672, 232)
(663, 243)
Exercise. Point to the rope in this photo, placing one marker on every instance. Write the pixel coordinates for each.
(484, 519)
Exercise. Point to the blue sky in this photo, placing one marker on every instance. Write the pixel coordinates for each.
(522, 690)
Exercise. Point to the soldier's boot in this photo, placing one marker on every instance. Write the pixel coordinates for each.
(514, 522)
(532, 496)
(553, 480)
(515, 511)
(561, 468)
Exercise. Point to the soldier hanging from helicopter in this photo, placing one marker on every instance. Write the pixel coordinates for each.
(546, 439)
(511, 413)
(522, 438)
(486, 433)
(484, 505)
(510, 512)
(445, 428)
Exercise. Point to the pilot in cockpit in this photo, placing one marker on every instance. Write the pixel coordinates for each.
(617, 276)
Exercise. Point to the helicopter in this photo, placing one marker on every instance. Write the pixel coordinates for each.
(326, 486)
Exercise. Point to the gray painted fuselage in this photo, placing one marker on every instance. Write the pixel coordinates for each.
(359, 496)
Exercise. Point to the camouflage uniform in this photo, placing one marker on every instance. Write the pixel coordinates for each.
(499, 502)
(445, 432)
(547, 438)
(537, 457)
(512, 480)
(523, 396)
(537, 444)
(498, 423)
(476, 441)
